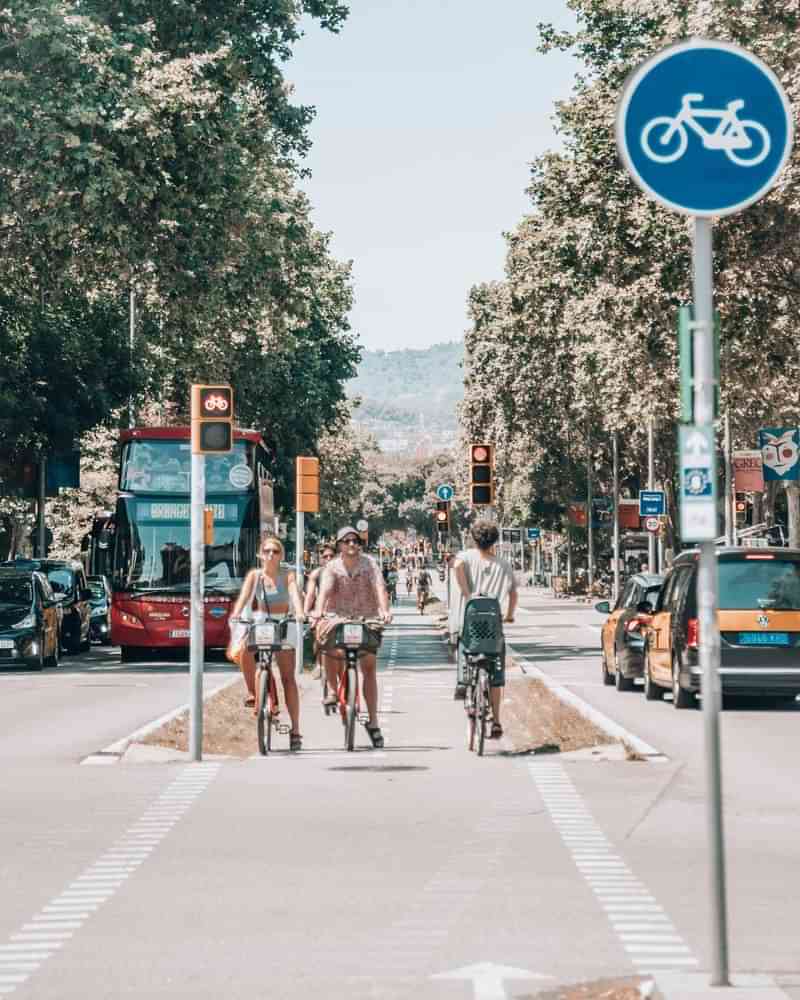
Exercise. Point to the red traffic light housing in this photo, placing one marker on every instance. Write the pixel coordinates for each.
(481, 457)
(212, 419)
(442, 516)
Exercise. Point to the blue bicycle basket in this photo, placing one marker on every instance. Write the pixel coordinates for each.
(482, 631)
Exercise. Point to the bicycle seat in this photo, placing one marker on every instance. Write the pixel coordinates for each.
(735, 105)
(691, 98)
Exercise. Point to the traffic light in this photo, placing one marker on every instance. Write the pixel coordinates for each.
(212, 419)
(307, 493)
(208, 526)
(481, 475)
(740, 509)
(443, 516)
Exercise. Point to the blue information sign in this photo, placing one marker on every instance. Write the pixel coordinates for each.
(534, 534)
(704, 127)
(651, 503)
(445, 492)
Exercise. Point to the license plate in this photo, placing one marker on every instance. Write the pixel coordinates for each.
(6, 643)
(264, 635)
(352, 635)
(180, 633)
(763, 638)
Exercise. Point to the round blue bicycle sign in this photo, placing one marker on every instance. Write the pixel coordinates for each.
(704, 127)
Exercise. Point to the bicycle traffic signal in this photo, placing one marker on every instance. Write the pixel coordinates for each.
(740, 509)
(307, 486)
(212, 419)
(481, 457)
(443, 516)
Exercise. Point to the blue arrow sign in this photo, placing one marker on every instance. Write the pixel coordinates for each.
(445, 492)
(704, 127)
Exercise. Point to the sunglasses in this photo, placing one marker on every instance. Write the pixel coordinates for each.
(351, 541)
(271, 552)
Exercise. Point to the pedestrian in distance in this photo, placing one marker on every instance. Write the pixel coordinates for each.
(480, 571)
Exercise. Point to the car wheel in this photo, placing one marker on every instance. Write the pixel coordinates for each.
(652, 691)
(35, 662)
(608, 680)
(86, 645)
(681, 698)
(622, 682)
(129, 654)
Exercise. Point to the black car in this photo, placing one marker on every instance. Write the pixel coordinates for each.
(29, 632)
(622, 637)
(68, 582)
(100, 621)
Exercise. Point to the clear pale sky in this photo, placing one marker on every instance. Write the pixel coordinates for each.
(428, 114)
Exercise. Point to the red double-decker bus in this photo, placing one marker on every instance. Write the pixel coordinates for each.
(151, 559)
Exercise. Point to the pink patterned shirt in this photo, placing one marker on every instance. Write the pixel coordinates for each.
(356, 594)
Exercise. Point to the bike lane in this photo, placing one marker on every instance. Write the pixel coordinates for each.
(357, 875)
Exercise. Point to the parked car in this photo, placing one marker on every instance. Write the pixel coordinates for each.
(622, 638)
(68, 582)
(100, 603)
(759, 623)
(29, 619)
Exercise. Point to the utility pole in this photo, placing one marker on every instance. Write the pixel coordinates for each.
(41, 527)
(730, 525)
(589, 511)
(615, 511)
(651, 485)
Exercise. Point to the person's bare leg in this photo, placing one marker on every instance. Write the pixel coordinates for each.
(248, 664)
(290, 692)
(370, 676)
(496, 698)
(332, 666)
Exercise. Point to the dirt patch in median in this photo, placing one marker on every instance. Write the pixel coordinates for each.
(535, 719)
(605, 989)
(228, 727)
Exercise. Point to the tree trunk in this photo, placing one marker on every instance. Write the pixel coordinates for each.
(793, 507)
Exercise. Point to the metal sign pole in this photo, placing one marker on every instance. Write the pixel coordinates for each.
(196, 640)
(651, 485)
(730, 526)
(707, 605)
(299, 566)
(615, 511)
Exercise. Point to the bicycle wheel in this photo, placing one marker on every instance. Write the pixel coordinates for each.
(760, 142)
(272, 709)
(350, 722)
(664, 150)
(263, 724)
(472, 719)
(482, 707)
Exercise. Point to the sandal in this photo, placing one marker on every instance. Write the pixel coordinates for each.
(375, 734)
(331, 701)
(295, 741)
(496, 731)
(250, 701)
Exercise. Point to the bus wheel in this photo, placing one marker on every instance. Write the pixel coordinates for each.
(129, 654)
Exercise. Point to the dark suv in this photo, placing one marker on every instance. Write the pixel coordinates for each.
(28, 619)
(758, 619)
(68, 582)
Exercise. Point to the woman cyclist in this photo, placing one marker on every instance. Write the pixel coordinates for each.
(273, 589)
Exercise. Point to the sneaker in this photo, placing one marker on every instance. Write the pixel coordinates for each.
(460, 692)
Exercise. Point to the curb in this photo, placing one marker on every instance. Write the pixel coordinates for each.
(611, 728)
(113, 753)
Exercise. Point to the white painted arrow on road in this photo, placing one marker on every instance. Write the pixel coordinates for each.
(487, 978)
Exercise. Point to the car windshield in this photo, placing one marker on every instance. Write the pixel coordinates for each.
(61, 580)
(651, 594)
(751, 584)
(16, 592)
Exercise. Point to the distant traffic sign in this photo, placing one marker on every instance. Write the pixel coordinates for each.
(698, 483)
(534, 534)
(651, 503)
(652, 523)
(362, 525)
(704, 127)
(445, 492)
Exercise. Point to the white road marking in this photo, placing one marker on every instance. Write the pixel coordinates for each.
(54, 925)
(642, 926)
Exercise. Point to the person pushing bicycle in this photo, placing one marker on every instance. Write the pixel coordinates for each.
(352, 587)
(480, 571)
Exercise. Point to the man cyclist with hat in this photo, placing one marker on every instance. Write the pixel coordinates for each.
(352, 587)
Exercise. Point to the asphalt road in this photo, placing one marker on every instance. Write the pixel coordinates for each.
(378, 874)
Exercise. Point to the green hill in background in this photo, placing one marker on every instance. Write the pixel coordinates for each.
(409, 395)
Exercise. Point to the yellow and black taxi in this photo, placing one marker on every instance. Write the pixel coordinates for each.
(758, 620)
(622, 636)
(29, 620)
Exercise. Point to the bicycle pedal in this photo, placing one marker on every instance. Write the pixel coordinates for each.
(283, 728)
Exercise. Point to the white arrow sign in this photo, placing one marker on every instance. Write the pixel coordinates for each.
(487, 979)
(696, 446)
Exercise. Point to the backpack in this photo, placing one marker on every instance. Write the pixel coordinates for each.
(482, 631)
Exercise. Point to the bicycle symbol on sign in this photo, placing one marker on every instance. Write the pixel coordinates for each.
(745, 142)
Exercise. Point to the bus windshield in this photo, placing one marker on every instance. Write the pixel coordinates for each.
(153, 545)
(164, 466)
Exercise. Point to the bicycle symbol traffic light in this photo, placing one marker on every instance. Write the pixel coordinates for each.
(212, 419)
(443, 516)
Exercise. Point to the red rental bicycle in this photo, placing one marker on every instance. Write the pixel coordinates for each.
(265, 639)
